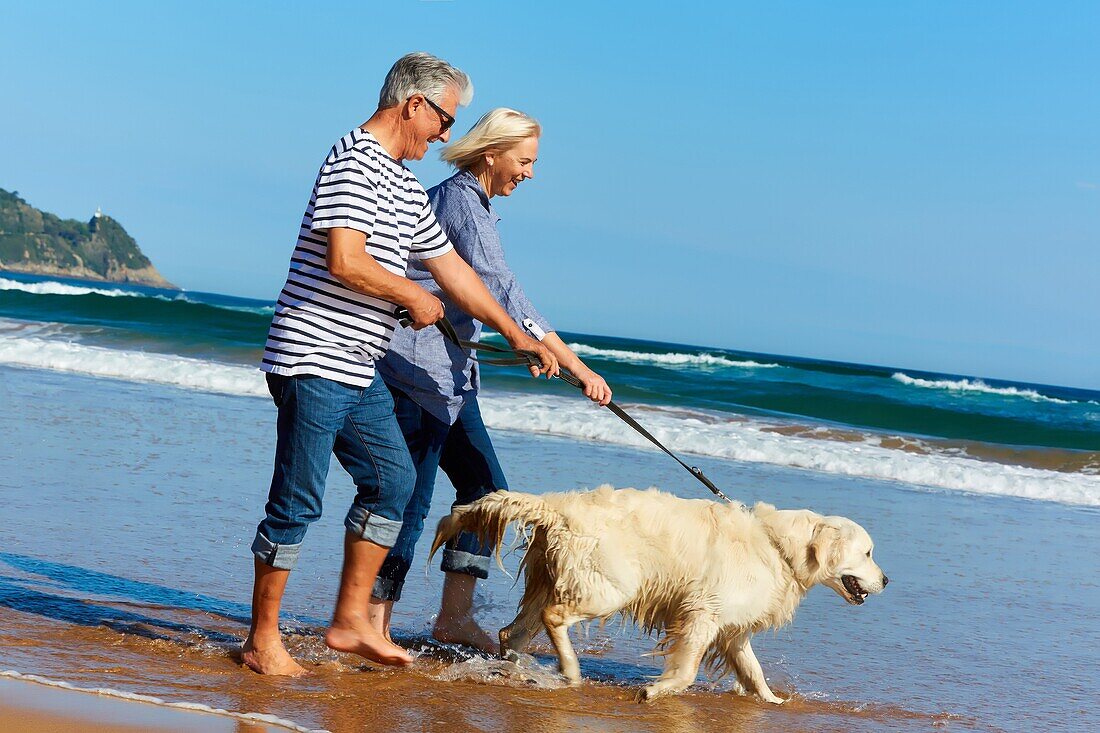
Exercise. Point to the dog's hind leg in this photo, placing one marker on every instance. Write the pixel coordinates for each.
(750, 674)
(557, 619)
(689, 640)
(515, 637)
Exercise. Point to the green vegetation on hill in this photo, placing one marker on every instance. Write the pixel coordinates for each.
(40, 242)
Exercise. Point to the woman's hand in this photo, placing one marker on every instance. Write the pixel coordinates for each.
(594, 386)
(520, 341)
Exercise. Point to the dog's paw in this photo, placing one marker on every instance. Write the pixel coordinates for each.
(653, 692)
(772, 699)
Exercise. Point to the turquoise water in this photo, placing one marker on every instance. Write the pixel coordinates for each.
(893, 399)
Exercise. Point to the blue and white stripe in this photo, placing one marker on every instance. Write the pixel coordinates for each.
(320, 326)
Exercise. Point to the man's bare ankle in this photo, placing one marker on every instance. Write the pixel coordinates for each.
(263, 640)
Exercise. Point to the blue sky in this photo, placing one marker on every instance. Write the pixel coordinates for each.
(916, 185)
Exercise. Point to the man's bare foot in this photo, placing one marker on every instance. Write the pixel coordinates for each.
(463, 629)
(362, 638)
(270, 658)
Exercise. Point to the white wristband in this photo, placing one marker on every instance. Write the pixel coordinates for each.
(534, 329)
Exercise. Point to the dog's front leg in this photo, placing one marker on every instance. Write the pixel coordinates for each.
(688, 642)
(557, 620)
(750, 674)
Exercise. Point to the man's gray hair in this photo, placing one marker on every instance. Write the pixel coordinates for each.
(422, 73)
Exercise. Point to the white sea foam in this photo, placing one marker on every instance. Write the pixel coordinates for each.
(572, 417)
(134, 366)
(748, 441)
(674, 358)
(976, 385)
(50, 287)
(523, 672)
(190, 706)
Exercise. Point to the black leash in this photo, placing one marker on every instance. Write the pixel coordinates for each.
(517, 357)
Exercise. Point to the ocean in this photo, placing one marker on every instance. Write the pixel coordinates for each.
(138, 453)
(946, 431)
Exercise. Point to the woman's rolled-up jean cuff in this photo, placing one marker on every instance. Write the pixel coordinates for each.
(366, 525)
(387, 589)
(283, 557)
(467, 563)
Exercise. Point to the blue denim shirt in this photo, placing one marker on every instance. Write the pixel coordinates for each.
(438, 375)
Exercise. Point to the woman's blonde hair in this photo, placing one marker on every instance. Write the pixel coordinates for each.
(498, 129)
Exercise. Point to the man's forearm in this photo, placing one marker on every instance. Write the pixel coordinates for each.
(354, 268)
(368, 277)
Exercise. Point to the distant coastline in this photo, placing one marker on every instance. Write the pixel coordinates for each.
(36, 242)
(148, 277)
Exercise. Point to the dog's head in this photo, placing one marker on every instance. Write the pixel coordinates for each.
(843, 553)
(832, 551)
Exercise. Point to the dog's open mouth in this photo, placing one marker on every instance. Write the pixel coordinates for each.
(856, 594)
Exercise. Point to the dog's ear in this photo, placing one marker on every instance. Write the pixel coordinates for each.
(824, 548)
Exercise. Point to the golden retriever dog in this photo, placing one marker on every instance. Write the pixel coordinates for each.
(708, 575)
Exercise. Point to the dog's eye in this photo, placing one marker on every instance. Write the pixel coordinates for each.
(868, 553)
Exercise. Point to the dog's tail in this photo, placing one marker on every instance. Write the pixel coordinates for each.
(489, 517)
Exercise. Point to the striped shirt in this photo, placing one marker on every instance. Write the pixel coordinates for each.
(321, 327)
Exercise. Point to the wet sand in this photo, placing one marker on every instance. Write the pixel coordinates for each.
(448, 689)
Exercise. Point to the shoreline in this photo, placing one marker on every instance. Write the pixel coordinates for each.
(32, 703)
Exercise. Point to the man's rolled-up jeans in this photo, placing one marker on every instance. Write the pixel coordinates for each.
(317, 418)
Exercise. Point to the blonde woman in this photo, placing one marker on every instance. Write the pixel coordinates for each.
(435, 383)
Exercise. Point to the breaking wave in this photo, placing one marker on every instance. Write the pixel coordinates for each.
(50, 287)
(55, 288)
(134, 366)
(572, 417)
(674, 359)
(976, 385)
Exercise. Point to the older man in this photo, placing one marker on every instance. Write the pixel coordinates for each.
(367, 215)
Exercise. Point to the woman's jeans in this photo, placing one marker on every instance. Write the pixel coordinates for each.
(466, 455)
(318, 418)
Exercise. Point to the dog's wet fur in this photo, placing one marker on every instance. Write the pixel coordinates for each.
(708, 575)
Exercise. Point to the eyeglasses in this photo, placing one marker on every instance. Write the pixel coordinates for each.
(445, 119)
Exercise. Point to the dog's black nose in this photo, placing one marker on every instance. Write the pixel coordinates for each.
(885, 581)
